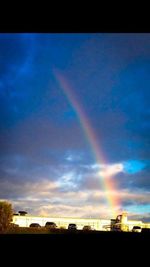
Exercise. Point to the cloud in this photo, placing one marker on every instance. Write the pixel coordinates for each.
(110, 170)
(134, 181)
(142, 217)
(90, 183)
(27, 189)
(37, 134)
(45, 197)
(93, 175)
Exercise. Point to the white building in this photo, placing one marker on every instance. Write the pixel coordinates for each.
(26, 220)
(120, 223)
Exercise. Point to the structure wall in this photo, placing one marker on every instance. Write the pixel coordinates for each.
(25, 221)
(97, 224)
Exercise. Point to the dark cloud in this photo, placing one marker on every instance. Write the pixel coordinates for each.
(134, 198)
(90, 183)
(137, 180)
(17, 168)
(145, 218)
(140, 217)
(42, 141)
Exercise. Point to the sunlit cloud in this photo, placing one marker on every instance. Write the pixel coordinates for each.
(110, 170)
(47, 198)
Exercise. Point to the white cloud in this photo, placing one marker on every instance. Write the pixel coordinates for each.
(68, 180)
(69, 158)
(110, 170)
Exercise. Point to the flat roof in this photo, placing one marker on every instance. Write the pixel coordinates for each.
(56, 217)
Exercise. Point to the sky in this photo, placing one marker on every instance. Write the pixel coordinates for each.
(74, 124)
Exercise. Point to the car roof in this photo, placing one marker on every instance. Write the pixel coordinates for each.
(50, 223)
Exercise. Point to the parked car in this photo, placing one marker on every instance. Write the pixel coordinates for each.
(72, 226)
(35, 225)
(87, 228)
(51, 225)
(136, 229)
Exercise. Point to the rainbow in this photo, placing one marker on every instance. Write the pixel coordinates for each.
(108, 184)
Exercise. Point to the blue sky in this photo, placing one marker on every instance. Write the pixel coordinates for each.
(47, 165)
